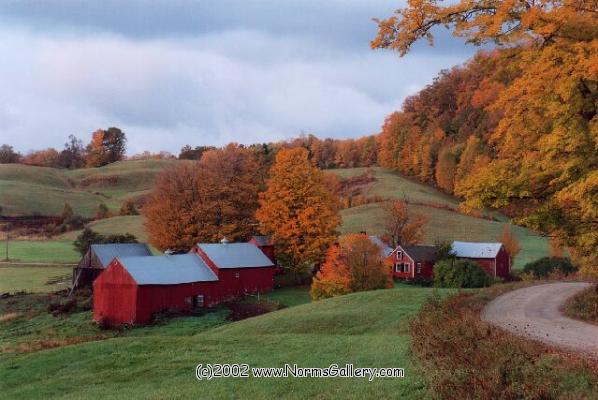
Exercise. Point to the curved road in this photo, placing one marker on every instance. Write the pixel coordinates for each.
(535, 312)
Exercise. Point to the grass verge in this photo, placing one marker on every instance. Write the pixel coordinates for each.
(584, 306)
(465, 357)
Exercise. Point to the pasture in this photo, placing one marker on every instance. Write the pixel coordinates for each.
(368, 329)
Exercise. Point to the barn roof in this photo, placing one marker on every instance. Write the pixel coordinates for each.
(235, 255)
(385, 249)
(420, 253)
(475, 249)
(263, 240)
(107, 252)
(168, 270)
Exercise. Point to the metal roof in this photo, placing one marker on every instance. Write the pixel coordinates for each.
(263, 240)
(168, 270)
(107, 252)
(385, 249)
(235, 255)
(419, 253)
(475, 249)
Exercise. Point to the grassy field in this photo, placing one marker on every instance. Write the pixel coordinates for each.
(28, 190)
(34, 279)
(367, 329)
(442, 223)
(44, 251)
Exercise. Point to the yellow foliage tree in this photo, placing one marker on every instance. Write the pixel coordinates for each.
(298, 210)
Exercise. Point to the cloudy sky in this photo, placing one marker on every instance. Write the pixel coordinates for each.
(171, 72)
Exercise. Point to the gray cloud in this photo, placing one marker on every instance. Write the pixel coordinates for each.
(192, 73)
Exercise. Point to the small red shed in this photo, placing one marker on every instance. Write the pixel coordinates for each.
(416, 261)
(266, 245)
(493, 257)
(241, 268)
(131, 289)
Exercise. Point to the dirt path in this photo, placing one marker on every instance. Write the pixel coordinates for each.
(535, 312)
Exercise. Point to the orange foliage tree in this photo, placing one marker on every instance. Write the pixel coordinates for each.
(354, 265)
(298, 210)
(401, 228)
(204, 201)
(510, 241)
(106, 146)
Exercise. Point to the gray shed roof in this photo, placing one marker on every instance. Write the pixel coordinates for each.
(476, 249)
(263, 240)
(168, 270)
(235, 255)
(385, 249)
(107, 252)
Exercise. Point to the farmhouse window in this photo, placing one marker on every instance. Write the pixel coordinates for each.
(419, 268)
(401, 267)
(399, 255)
(237, 275)
(199, 300)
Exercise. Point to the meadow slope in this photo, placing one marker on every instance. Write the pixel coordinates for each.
(367, 329)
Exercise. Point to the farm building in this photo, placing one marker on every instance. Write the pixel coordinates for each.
(131, 289)
(99, 256)
(241, 267)
(416, 261)
(266, 245)
(493, 257)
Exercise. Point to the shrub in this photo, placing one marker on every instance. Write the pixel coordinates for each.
(128, 208)
(243, 309)
(460, 274)
(545, 266)
(584, 305)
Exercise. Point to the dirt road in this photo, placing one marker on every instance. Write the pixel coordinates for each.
(535, 312)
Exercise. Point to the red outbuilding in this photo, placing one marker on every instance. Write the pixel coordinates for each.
(242, 268)
(410, 262)
(132, 289)
(266, 245)
(493, 257)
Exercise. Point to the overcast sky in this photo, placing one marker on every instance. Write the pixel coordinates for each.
(202, 72)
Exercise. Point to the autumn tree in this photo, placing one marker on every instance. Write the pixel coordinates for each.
(102, 211)
(67, 212)
(106, 146)
(354, 265)
(536, 104)
(8, 155)
(402, 228)
(298, 210)
(510, 241)
(73, 154)
(204, 201)
(446, 168)
(42, 158)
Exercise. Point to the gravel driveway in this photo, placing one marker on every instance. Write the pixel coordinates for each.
(535, 312)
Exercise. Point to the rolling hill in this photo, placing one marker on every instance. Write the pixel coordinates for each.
(27, 190)
(368, 329)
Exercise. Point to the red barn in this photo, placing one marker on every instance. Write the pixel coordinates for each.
(241, 267)
(493, 257)
(266, 245)
(131, 289)
(410, 262)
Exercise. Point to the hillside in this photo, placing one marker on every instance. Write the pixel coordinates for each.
(28, 190)
(44, 190)
(443, 223)
(367, 329)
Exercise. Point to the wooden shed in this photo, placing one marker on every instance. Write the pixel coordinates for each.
(242, 268)
(493, 257)
(132, 289)
(99, 256)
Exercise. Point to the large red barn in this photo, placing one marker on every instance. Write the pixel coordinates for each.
(132, 289)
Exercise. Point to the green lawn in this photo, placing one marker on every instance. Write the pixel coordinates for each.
(48, 251)
(34, 278)
(367, 329)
